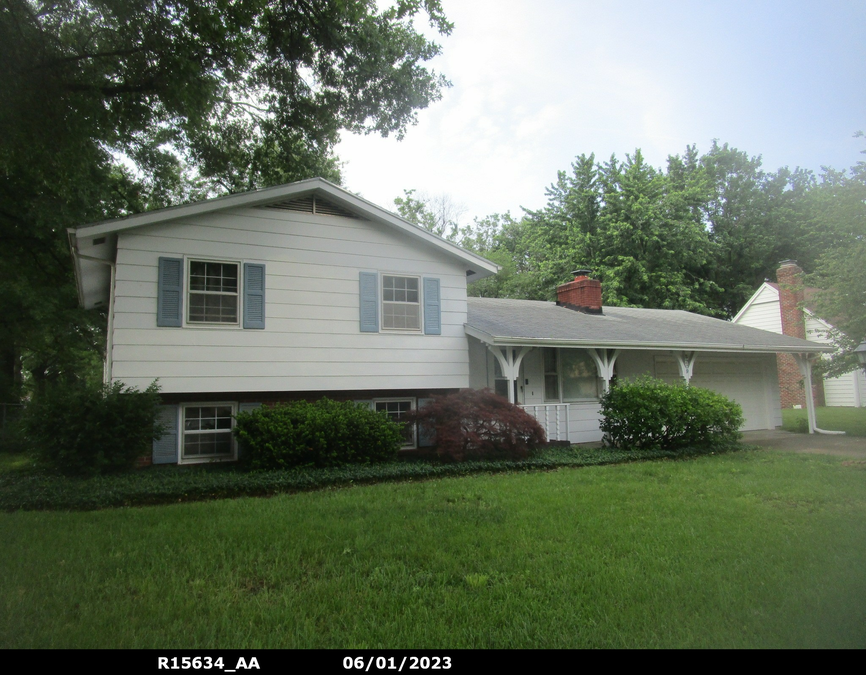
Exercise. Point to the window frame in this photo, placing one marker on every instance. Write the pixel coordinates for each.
(232, 457)
(412, 406)
(561, 379)
(419, 304)
(188, 292)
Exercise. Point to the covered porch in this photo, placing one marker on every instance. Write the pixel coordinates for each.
(557, 363)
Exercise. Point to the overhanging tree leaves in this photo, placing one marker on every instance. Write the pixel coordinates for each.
(110, 107)
(840, 206)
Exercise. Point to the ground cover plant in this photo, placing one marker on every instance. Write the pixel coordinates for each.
(850, 420)
(23, 486)
(647, 413)
(748, 549)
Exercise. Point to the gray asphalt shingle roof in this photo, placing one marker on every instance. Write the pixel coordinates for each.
(503, 321)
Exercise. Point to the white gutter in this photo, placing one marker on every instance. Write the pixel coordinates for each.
(502, 341)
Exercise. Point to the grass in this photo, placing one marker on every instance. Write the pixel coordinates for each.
(748, 549)
(850, 420)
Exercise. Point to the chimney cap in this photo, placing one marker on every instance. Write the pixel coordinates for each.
(582, 272)
(788, 263)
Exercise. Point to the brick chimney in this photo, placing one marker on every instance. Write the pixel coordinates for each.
(790, 278)
(583, 294)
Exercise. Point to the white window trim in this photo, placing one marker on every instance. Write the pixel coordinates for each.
(182, 433)
(381, 291)
(560, 380)
(412, 406)
(188, 260)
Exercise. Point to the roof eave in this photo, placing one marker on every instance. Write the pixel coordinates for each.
(481, 266)
(508, 341)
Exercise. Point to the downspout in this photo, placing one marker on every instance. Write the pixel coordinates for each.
(805, 365)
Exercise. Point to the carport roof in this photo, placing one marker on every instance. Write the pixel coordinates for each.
(506, 322)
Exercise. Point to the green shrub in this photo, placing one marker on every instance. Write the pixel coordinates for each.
(320, 434)
(82, 429)
(651, 414)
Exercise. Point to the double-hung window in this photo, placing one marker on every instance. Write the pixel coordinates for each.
(569, 375)
(207, 432)
(213, 292)
(401, 303)
(396, 410)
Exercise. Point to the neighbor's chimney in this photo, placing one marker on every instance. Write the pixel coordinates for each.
(789, 276)
(583, 294)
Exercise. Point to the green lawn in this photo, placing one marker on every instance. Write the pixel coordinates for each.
(850, 420)
(748, 549)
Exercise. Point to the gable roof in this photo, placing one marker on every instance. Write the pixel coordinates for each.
(809, 296)
(91, 269)
(531, 322)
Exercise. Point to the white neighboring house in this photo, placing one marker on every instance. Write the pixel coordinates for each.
(305, 290)
(763, 310)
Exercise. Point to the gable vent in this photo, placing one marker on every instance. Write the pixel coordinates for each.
(313, 204)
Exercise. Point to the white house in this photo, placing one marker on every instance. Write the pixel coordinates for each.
(306, 290)
(786, 307)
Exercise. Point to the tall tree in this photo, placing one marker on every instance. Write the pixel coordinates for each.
(840, 208)
(109, 107)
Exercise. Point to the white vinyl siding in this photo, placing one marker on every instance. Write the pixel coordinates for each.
(763, 312)
(311, 341)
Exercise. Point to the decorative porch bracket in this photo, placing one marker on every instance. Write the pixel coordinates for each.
(686, 362)
(604, 361)
(509, 362)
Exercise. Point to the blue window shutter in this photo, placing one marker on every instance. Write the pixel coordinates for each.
(369, 302)
(432, 307)
(426, 438)
(254, 295)
(169, 302)
(165, 449)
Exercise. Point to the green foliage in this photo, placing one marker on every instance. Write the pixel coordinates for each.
(700, 235)
(838, 418)
(478, 424)
(21, 488)
(114, 108)
(840, 204)
(650, 414)
(319, 434)
(82, 429)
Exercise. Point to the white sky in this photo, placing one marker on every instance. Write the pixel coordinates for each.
(538, 82)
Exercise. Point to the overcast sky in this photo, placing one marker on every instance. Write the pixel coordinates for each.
(538, 82)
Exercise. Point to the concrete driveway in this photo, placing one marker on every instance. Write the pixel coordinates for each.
(820, 444)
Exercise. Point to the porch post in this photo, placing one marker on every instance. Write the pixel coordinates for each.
(509, 362)
(686, 362)
(604, 361)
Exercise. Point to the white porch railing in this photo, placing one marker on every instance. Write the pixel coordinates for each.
(553, 417)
